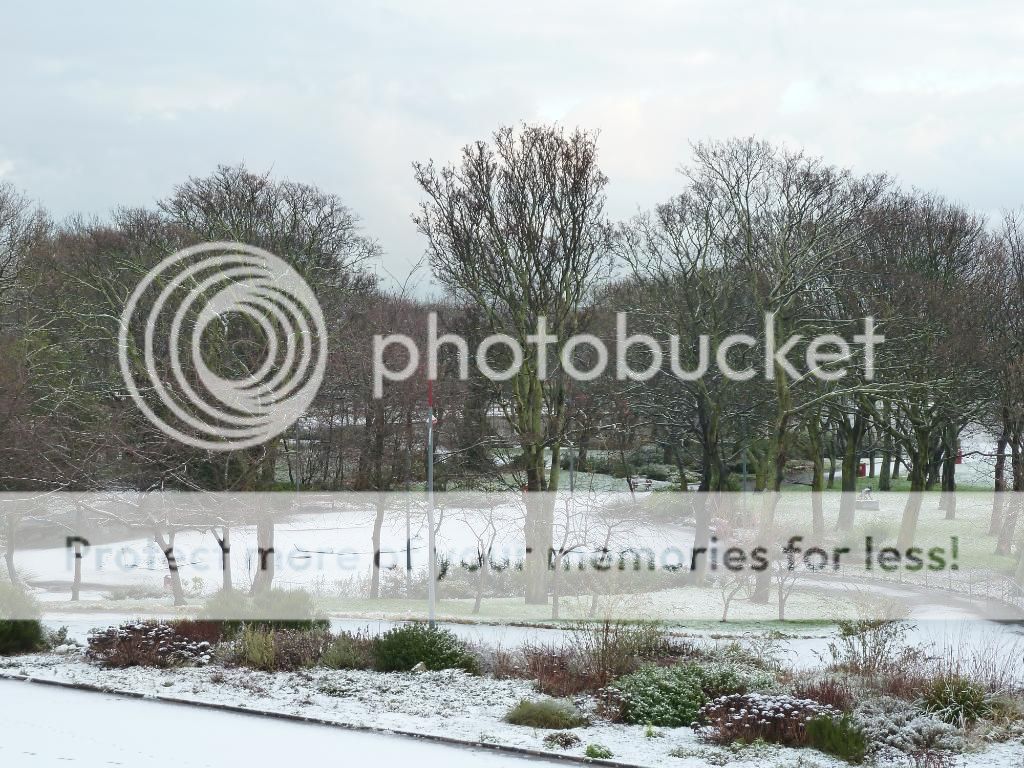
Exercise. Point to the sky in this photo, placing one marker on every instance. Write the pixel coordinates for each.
(113, 103)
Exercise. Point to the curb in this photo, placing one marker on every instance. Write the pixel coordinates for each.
(528, 752)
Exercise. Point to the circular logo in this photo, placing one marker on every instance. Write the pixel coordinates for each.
(278, 358)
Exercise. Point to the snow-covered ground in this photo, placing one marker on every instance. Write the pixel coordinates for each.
(43, 726)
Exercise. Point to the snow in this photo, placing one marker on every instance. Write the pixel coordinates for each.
(43, 726)
(449, 704)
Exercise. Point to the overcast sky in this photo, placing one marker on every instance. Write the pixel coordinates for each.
(103, 104)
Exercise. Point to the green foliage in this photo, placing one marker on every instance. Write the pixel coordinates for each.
(257, 649)
(20, 636)
(665, 696)
(956, 700)
(655, 471)
(402, 648)
(349, 651)
(598, 752)
(20, 630)
(839, 737)
(671, 696)
(548, 713)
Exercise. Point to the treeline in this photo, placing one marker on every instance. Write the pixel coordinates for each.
(760, 240)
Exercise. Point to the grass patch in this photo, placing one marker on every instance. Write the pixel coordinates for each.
(554, 714)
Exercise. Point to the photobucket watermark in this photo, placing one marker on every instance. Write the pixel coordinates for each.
(828, 357)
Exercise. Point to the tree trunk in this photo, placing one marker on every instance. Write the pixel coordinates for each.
(12, 531)
(1000, 479)
(263, 581)
(167, 547)
(378, 523)
(224, 542)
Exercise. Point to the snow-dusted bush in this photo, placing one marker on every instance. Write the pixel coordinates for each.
(888, 722)
(671, 696)
(749, 717)
(665, 696)
(146, 644)
(562, 740)
(956, 700)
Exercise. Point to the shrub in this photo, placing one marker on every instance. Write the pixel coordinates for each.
(547, 713)
(562, 740)
(655, 471)
(402, 648)
(671, 696)
(348, 651)
(837, 737)
(299, 648)
(956, 700)
(872, 647)
(257, 649)
(20, 630)
(888, 722)
(20, 636)
(665, 696)
(598, 752)
(146, 644)
(748, 717)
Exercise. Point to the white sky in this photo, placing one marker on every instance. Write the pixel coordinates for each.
(114, 103)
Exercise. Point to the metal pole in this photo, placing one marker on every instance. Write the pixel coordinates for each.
(431, 553)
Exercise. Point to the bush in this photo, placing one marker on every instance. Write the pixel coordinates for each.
(349, 651)
(146, 644)
(671, 696)
(837, 737)
(956, 700)
(402, 648)
(888, 722)
(751, 717)
(562, 740)
(20, 636)
(655, 471)
(598, 752)
(20, 630)
(199, 630)
(547, 713)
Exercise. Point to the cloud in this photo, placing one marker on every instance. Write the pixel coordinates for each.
(347, 95)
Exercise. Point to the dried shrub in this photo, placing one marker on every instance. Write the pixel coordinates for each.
(146, 644)
(562, 740)
(835, 693)
(595, 654)
(748, 717)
